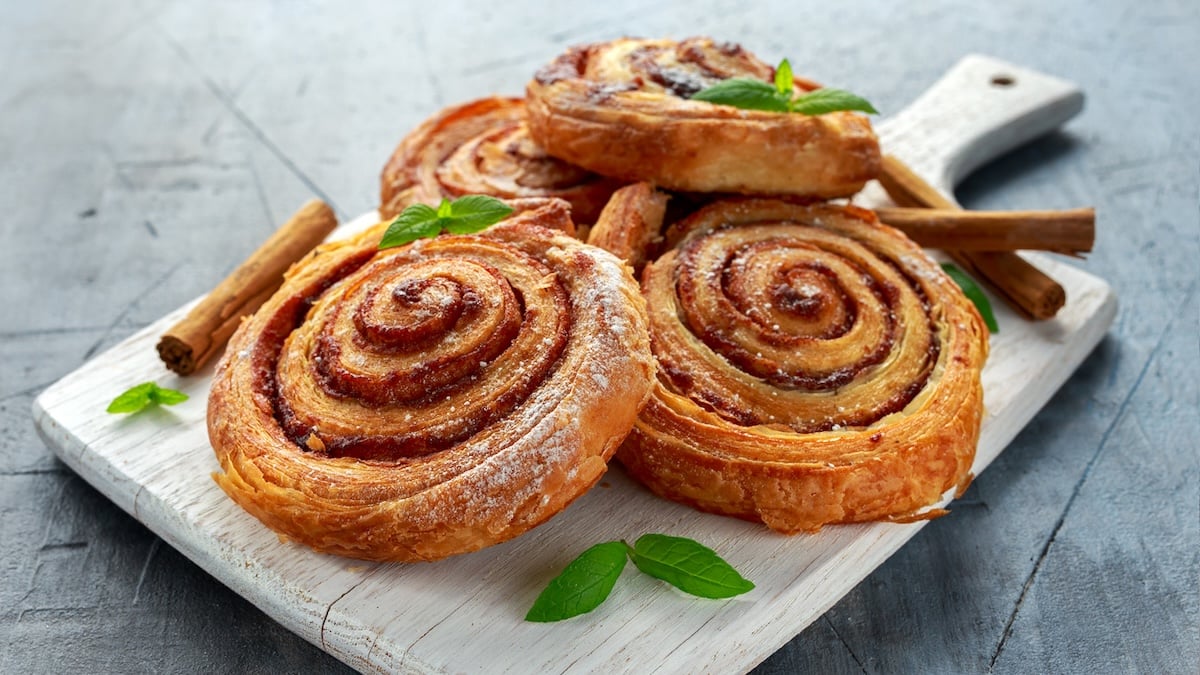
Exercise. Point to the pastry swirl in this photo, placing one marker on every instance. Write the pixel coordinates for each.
(432, 399)
(623, 109)
(815, 367)
(483, 147)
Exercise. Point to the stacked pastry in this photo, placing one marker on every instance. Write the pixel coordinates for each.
(785, 359)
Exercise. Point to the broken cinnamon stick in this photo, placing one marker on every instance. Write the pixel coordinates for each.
(1024, 287)
(189, 344)
(1069, 232)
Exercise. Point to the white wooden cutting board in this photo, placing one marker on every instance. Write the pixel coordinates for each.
(465, 614)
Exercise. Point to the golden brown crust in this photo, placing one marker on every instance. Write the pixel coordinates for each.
(815, 367)
(621, 109)
(483, 147)
(630, 225)
(432, 399)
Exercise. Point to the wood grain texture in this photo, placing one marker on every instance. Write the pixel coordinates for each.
(149, 144)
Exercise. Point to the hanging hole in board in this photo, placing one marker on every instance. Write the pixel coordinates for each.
(1003, 80)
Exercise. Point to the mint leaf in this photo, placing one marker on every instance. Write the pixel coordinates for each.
(784, 81)
(164, 396)
(417, 221)
(139, 397)
(464, 215)
(974, 293)
(132, 399)
(473, 213)
(582, 585)
(749, 94)
(744, 93)
(688, 565)
(823, 101)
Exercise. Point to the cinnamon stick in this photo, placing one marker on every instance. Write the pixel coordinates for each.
(190, 343)
(1070, 232)
(1026, 288)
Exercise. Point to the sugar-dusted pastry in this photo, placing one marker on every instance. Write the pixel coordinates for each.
(483, 147)
(623, 109)
(814, 367)
(432, 399)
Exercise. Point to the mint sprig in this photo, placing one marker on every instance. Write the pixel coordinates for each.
(139, 397)
(587, 581)
(974, 293)
(464, 215)
(751, 94)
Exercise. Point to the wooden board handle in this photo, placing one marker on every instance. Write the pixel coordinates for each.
(980, 109)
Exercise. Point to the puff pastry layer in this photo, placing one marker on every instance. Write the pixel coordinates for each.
(483, 147)
(433, 399)
(815, 367)
(622, 109)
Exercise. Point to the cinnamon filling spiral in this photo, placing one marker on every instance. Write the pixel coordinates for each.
(810, 313)
(815, 367)
(484, 147)
(436, 398)
(657, 66)
(624, 108)
(447, 336)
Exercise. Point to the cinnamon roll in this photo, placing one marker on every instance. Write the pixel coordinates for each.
(623, 109)
(428, 400)
(814, 367)
(483, 147)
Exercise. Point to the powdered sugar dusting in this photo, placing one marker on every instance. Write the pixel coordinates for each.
(519, 466)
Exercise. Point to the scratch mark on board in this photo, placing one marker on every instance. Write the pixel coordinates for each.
(328, 609)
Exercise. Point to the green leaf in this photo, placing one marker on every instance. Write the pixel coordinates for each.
(823, 101)
(164, 396)
(974, 293)
(582, 586)
(139, 397)
(688, 565)
(744, 93)
(464, 215)
(750, 94)
(784, 81)
(132, 399)
(473, 213)
(417, 221)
